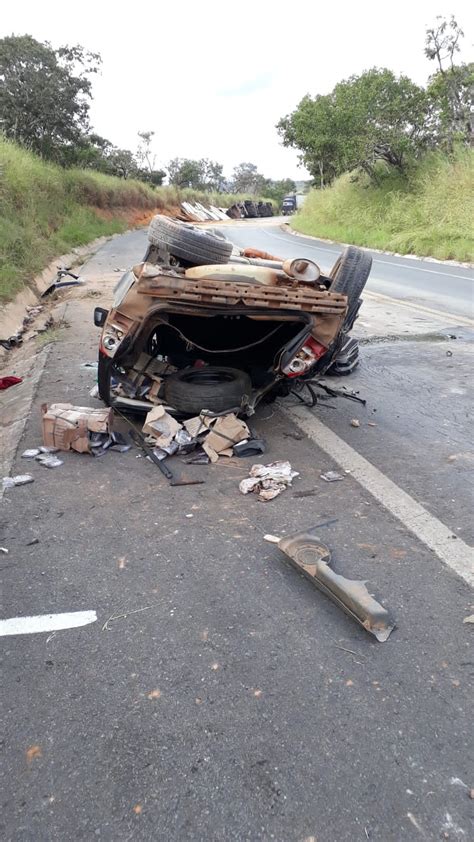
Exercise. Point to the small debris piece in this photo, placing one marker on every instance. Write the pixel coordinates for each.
(4, 550)
(268, 481)
(20, 479)
(355, 422)
(155, 694)
(43, 449)
(32, 753)
(310, 492)
(6, 382)
(49, 461)
(94, 392)
(122, 563)
(249, 447)
(469, 619)
(137, 809)
(372, 424)
(32, 542)
(471, 794)
(331, 476)
(31, 453)
(272, 539)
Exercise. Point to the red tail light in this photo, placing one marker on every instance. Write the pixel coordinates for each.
(305, 358)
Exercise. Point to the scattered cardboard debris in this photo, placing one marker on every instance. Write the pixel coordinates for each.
(69, 427)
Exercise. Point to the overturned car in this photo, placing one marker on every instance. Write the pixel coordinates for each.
(198, 325)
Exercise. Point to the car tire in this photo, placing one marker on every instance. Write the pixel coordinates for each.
(195, 245)
(349, 276)
(217, 389)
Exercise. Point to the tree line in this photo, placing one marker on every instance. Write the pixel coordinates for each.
(45, 97)
(380, 117)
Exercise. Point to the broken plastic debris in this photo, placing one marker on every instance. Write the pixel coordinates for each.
(331, 476)
(272, 539)
(355, 422)
(4, 550)
(20, 479)
(199, 457)
(249, 447)
(182, 437)
(31, 453)
(469, 619)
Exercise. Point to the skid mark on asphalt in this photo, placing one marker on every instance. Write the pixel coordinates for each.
(46, 622)
(427, 528)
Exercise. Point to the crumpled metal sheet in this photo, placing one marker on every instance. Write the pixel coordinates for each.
(310, 557)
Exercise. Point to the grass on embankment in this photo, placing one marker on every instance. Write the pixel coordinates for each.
(429, 213)
(46, 211)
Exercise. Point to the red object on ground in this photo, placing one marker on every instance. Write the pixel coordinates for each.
(6, 382)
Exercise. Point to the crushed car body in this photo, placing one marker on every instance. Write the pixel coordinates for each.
(221, 330)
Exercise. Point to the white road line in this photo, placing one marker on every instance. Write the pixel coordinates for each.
(427, 528)
(402, 266)
(46, 623)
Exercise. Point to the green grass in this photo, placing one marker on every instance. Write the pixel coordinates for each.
(428, 213)
(46, 211)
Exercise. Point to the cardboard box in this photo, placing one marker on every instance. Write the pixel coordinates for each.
(68, 427)
(161, 426)
(225, 432)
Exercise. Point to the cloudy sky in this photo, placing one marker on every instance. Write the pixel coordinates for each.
(211, 78)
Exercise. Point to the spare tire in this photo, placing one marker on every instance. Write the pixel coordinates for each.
(184, 241)
(350, 273)
(191, 390)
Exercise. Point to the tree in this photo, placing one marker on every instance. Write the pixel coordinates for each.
(451, 87)
(247, 179)
(122, 163)
(277, 190)
(45, 94)
(373, 117)
(200, 175)
(313, 129)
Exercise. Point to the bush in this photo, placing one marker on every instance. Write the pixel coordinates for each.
(429, 212)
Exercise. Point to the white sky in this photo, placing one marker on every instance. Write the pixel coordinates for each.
(212, 78)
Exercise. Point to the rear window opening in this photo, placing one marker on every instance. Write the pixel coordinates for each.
(235, 341)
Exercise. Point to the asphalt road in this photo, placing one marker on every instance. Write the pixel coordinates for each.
(446, 288)
(226, 698)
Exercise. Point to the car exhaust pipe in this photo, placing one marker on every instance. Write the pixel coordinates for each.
(311, 558)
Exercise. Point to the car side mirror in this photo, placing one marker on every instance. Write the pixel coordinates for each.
(100, 316)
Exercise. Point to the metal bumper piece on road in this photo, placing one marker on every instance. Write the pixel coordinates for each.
(312, 558)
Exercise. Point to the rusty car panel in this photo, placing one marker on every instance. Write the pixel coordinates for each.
(311, 558)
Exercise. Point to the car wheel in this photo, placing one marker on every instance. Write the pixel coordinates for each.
(217, 389)
(349, 276)
(184, 241)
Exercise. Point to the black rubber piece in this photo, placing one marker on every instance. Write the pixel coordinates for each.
(195, 245)
(214, 388)
(349, 276)
(104, 367)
